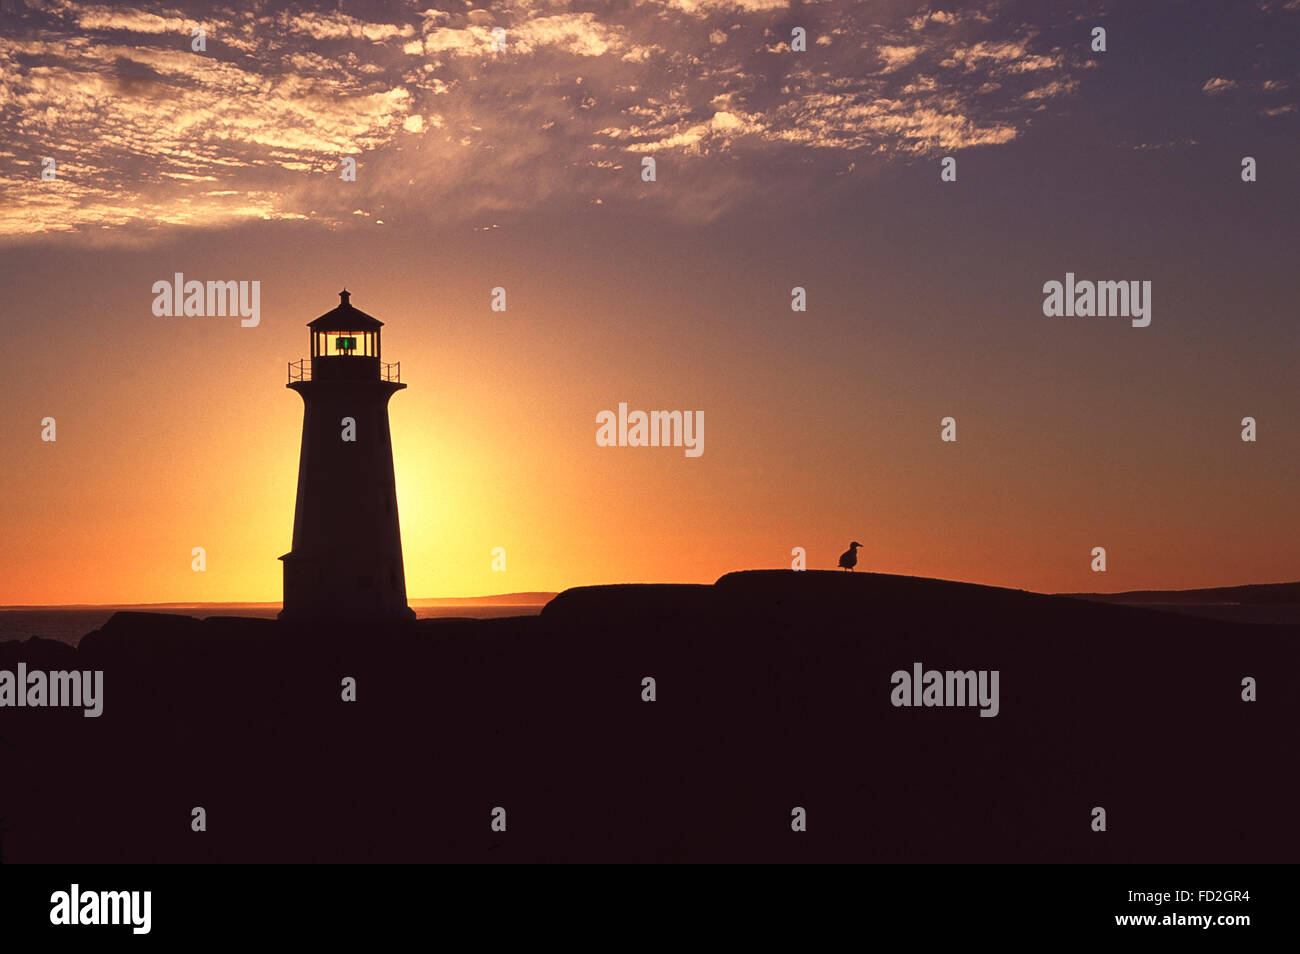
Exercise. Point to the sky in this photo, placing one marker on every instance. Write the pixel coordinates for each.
(522, 168)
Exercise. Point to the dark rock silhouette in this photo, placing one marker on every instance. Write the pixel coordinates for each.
(773, 691)
(1253, 603)
(1254, 593)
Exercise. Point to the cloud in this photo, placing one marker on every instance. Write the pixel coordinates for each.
(438, 119)
(896, 57)
(339, 26)
(703, 8)
(1265, 92)
(1218, 84)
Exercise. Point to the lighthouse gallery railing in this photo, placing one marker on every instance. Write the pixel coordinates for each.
(300, 370)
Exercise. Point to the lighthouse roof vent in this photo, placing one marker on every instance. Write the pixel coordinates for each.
(344, 318)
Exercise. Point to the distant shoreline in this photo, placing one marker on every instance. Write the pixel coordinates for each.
(503, 599)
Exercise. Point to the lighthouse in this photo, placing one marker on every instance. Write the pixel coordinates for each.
(346, 558)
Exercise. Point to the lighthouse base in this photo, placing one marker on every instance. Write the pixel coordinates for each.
(317, 590)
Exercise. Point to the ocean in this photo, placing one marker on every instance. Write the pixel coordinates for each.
(69, 624)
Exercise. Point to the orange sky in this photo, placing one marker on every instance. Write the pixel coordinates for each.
(176, 433)
(821, 427)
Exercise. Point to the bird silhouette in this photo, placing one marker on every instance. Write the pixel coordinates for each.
(849, 558)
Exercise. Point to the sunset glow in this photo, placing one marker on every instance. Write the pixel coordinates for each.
(522, 170)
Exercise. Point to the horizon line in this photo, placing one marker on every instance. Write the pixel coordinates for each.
(514, 597)
(270, 603)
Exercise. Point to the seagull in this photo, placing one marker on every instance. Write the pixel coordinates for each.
(849, 558)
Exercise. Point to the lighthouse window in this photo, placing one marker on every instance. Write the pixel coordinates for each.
(344, 343)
